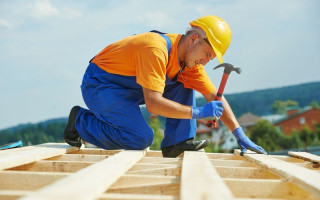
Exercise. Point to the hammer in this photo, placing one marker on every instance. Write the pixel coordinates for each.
(228, 68)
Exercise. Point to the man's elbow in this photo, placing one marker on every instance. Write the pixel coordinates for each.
(151, 107)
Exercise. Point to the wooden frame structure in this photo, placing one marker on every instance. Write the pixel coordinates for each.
(58, 171)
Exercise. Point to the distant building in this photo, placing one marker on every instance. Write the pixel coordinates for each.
(273, 118)
(297, 119)
(248, 120)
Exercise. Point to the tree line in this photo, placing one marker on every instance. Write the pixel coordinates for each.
(260, 102)
(34, 134)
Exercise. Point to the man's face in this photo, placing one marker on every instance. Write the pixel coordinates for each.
(199, 52)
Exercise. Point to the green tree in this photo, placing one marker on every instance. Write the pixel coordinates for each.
(279, 107)
(317, 130)
(266, 135)
(307, 136)
(291, 141)
(158, 136)
(271, 139)
(314, 104)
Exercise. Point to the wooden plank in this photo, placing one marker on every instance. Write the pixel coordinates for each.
(79, 157)
(155, 188)
(147, 166)
(117, 196)
(21, 180)
(245, 172)
(309, 165)
(305, 156)
(166, 171)
(287, 158)
(89, 183)
(15, 150)
(231, 163)
(152, 153)
(199, 179)
(95, 151)
(274, 189)
(53, 166)
(160, 160)
(259, 199)
(16, 158)
(13, 194)
(305, 178)
(223, 156)
(131, 180)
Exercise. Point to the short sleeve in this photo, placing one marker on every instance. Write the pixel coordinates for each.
(150, 65)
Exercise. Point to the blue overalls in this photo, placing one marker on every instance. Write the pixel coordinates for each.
(114, 119)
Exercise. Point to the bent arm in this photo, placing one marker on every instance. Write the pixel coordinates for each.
(159, 105)
(227, 117)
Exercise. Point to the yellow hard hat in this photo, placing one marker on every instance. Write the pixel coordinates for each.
(217, 31)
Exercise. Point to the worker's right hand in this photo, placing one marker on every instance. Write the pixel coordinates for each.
(211, 109)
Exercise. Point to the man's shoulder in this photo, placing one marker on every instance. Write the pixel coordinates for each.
(155, 37)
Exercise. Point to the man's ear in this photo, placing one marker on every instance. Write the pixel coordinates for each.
(193, 37)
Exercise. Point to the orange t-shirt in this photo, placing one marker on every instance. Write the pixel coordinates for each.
(146, 57)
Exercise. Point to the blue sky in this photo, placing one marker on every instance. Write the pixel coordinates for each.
(45, 45)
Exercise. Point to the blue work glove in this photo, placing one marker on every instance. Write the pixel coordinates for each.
(245, 143)
(211, 109)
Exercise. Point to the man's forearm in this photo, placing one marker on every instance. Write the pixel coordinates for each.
(228, 117)
(159, 105)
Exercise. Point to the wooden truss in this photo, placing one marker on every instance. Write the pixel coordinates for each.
(58, 171)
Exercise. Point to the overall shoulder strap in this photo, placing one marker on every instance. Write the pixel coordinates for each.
(166, 38)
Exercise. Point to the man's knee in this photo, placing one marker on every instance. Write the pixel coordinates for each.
(144, 141)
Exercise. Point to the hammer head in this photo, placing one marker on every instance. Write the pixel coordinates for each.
(228, 68)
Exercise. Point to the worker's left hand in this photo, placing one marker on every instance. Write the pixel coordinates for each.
(245, 143)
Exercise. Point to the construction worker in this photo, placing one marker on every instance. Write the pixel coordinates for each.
(162, 71)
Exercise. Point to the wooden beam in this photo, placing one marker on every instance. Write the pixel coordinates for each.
(305, 178)
(15, 158)
(152, 153)
(13, 194)
(231, 163)
(160, 160)
(262, 188)
(155, 188)
(245, 172)
(259, 199)
(223, 156)
(117, 196)
(166, 171)
(21, 180)
(89, 183)
(95, 151)
(305, 156)
(79, 157)
(147, 166)
(309, 165)
(53, 166)
(131, 180)
(199, 179)
(287, 158)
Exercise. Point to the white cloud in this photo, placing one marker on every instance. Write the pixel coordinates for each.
(4, 23)
(43, 8)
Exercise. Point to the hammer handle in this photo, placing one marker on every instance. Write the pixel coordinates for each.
(222, 86)
(213, 122)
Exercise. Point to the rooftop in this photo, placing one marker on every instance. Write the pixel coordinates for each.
(58, 171)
